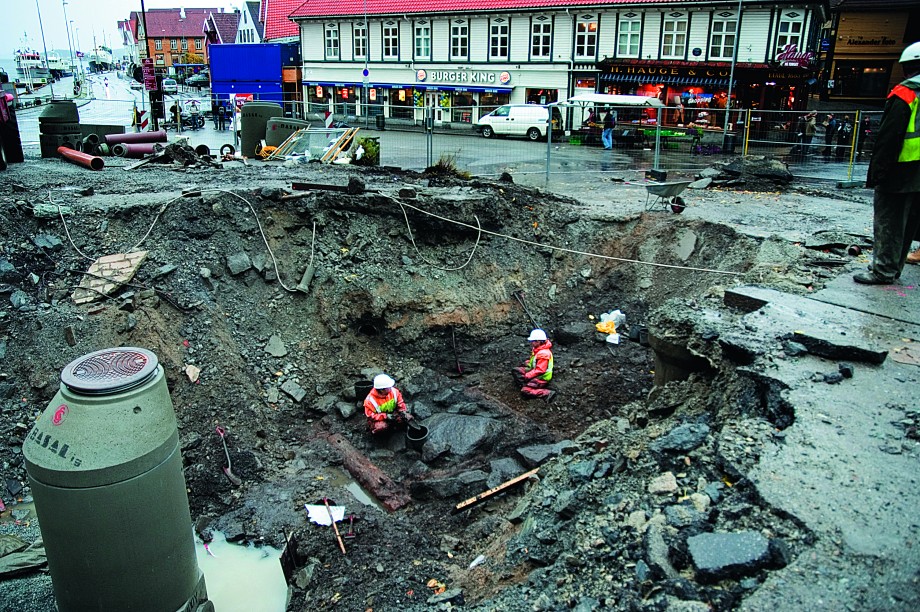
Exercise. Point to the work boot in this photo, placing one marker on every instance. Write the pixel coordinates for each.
(548, 398)
(869, 278)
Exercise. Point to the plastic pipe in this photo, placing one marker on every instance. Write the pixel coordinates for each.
(136, 137)
(134, 151)
(90, 161)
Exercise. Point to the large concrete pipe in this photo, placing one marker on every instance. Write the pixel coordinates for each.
(136, 137)
(254, 118)
(106, 474)
(135, 151)
(84, 159)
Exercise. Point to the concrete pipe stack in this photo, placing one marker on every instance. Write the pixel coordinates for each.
(59, 126)
(254, 117)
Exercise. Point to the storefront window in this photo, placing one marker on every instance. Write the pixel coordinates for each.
(317, 99)
(461, 107)
(345, 102)
(401, 103)
(542, 96)
(861, 79)
(488, 102)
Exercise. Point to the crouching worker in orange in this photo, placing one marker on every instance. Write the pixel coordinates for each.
(536, 373)
(384, 406)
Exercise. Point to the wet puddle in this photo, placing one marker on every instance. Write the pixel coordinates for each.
(242, 578)
(342, 479)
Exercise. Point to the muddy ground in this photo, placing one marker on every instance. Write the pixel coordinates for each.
(629, 476)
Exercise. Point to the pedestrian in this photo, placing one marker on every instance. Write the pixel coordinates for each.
(844, 137)
(222, 117)
(894, 172)
(535, 374)
(384, 406)
(809, 134)
(865, 128)
(830, 130)
(214, 111)
(610, 123)
(10, 142)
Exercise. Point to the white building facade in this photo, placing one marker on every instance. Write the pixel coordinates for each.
(466, 63)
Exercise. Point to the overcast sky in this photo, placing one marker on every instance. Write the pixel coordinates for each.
(101, 16)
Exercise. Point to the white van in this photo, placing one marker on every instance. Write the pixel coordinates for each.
(519, 120)
(170, 86)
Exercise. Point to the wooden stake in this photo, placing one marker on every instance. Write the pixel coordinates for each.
(487, 494)
(334, 526)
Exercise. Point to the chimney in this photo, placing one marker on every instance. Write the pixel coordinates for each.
(181, 13)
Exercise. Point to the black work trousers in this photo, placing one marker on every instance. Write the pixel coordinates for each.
(897, 220)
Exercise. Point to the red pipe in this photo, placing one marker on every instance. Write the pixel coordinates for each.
(90, 161)
(136, 137)
(135, 151)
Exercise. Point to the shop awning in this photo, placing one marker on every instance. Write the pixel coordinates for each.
(669, 80)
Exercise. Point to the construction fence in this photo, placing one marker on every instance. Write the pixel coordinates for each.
(672, 140)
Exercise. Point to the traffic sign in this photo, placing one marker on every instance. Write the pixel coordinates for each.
(150, 78)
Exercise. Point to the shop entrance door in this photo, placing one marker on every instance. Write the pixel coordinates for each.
(433, 101)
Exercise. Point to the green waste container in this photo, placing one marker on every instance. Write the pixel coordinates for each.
(106, 475)
(381, 122)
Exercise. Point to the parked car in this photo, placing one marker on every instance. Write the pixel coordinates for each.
(198, 80)
(137, 85)
(519, 120)
(170, 86)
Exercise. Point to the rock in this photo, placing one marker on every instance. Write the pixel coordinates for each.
(833, 378)
(355, 186)
(19, 299)
(846, 369)
(534, 456)
(709, 173)
(407, 193)
(458, 435)
(587, 604)
(463, 484)
(48, 242)
(582, 470)
(70, 336)
(275, 346)
(294, 390)
(663, 485)
(683, 515)
(234, 531)
(346, 409)
(566, 506)
(8, 272)
(506, 178)
(728, 555)
(681, 439)
(238, 263)
(656, 553)
(13, 487)
(702, 183)
(502, 470)
(454, 596)
(794, 349)
(573, 333)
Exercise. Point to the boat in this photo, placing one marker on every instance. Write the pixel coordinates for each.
(100, 59)
(58, 66)
(31, 70)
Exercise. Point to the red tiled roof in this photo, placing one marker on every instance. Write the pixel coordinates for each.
(328, 8)
(166, 22)
(277, 24)
(225, 24)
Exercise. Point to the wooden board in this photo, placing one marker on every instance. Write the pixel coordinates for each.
(505, 486)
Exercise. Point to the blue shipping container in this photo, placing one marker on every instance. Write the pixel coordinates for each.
(252, 63)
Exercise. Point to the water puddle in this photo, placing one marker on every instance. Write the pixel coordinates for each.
(18, 511)
(339, 478)
(242, 578)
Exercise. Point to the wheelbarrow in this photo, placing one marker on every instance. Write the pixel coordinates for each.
(666, 195)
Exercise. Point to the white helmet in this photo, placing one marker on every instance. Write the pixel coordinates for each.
(911, 53)
(537, 334)
(382, 381)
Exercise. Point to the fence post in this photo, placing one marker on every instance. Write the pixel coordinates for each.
(549, 138)
(657, 137)
(429, 136)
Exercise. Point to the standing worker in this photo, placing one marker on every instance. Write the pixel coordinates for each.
(535, 374)
(894, 172)
(221, 116)
(384, 406)
(10, 143)
(609, 123)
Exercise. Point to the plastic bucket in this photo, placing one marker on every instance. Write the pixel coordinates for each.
(362, 388)
(416, 436)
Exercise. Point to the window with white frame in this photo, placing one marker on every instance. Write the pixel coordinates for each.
(674, 36)
(185, 44)
(198, 43)
(791, 26)
(541, 35)
(459, 39)
(158, 44)
(422, 40)
(498, 38)
(360, 40)
(723, 36)
(332, 41)
(391, 40)
(628, 33)
(586, 37)
(174, 44)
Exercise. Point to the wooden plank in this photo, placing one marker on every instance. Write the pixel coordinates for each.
(505, 486)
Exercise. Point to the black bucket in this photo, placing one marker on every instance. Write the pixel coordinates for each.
(416, 436)
(362, 388)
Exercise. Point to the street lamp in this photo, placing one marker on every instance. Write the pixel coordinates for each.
(731, 79)
(69, 41)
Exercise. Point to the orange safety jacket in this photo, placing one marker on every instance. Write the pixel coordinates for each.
(910, 151)
(378, 405)
(540, 362)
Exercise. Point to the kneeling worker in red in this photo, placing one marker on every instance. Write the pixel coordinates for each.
(536, 373)
(384, 406)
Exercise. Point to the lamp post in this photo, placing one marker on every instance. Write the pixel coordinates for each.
(45, 48)
(731, 78)
(67, 26)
